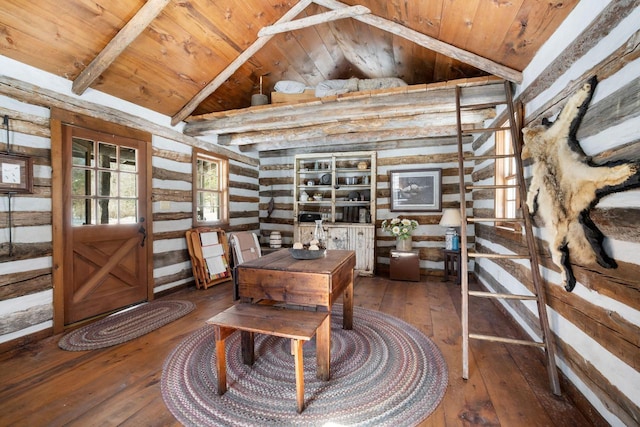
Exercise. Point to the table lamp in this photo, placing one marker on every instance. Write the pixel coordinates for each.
(451, 219)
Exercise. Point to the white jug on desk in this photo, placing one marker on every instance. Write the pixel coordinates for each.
(304, 196)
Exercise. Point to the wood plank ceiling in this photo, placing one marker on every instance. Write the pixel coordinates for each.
(161, 54)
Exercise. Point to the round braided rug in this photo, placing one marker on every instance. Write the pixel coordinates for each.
(383, 372)
(125, 325)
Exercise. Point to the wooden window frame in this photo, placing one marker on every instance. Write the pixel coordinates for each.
(505, 173)
(222, 190)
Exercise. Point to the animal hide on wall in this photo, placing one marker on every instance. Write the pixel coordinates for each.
(566, 185)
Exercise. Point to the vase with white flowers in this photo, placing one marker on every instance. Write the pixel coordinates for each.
(401, 228)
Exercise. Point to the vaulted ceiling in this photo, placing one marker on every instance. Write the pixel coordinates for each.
(183, 57)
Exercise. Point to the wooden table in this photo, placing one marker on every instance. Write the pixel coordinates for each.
(452, 264)
(319, 282)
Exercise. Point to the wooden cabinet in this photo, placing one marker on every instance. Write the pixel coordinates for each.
(355, 237)
(340, 188)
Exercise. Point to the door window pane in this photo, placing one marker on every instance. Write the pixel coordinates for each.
(82, 152)
(82, 212)
(107, 156)
(106, 184)
(107, 211)
(128, 214)
(128, 184)
(82, 182)
(128, 159)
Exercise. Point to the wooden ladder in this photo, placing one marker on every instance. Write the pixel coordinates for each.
(514, 128)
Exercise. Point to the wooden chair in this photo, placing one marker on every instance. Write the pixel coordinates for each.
(199, 241)
(245, 246)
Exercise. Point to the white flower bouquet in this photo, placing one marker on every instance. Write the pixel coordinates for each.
(399, 227)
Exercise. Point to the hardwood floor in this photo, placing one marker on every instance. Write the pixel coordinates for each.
(43, 385)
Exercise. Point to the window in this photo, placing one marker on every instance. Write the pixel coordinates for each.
(507, 201)
(210, 192)
(104, 179)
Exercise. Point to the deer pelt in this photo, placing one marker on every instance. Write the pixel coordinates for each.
(566, 185)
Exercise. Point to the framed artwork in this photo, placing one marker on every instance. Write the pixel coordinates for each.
(15, 174)
(416, 190)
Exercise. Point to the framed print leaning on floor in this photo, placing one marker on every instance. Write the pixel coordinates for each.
(416, 190)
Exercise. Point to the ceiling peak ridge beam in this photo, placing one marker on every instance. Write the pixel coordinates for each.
(431, 43)
(310, 21)
(234, 65)
(132, 29)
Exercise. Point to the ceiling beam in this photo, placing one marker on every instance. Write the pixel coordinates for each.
(333, 15)
(118, 44)
(431, 43)
(213, 85)
(393, 144)
(354, 141)
(399, 125)
(390, 103)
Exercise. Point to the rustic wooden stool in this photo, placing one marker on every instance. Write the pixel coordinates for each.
(298, 325)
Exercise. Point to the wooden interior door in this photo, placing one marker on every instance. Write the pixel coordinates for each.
(104, 228)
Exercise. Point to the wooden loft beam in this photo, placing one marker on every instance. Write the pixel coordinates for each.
(234, 65)
(118, 44)
(431, 43)
(367, 145)
(359, 141)
(386, 103)
(423, 123)
(332, 15)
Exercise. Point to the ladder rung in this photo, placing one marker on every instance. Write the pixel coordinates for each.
(477, 219)
(490, 157)
(497, 256)
(496, 295)
(506, 340)
(490, 187)
(483, 105)
(484, 130)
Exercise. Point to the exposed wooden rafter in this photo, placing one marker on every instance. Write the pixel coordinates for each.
(285, 24)
(347, 12)
(431, 43)
(118, 44)
(235, 64)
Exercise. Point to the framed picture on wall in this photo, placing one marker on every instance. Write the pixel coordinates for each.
(416, 190)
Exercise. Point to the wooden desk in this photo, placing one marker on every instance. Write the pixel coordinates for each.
(319, 282)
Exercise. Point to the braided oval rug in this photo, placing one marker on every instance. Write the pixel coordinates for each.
(384, 372)
(125, 325)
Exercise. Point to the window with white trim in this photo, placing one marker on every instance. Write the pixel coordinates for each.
(210, 189)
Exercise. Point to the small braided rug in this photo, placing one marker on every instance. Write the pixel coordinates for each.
(384, 372)
(125, 325)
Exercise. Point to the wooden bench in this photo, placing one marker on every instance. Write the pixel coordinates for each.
(298, 325)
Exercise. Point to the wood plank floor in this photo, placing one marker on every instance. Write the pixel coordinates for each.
(41, 385)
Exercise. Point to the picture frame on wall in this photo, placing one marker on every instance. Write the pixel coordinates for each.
(416, 190)
(16, 174)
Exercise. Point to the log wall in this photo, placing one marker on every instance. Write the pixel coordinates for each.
(597, 326)
(26, 284)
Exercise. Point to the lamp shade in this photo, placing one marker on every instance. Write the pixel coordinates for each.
(450, 218)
